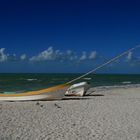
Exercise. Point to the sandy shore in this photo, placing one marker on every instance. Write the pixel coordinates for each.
(107, 113)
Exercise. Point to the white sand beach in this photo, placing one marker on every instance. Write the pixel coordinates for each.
(107, 113)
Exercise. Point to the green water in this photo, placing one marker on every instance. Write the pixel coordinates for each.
(26, 82)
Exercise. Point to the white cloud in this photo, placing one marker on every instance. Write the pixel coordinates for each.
(23, 57)
(48, 54)
(10, 57)
(129, 56)
(93, 55)
(3, 56)
(70, 55)
(84, 56)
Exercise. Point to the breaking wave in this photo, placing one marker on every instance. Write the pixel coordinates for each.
(31, 79)
(126, 82)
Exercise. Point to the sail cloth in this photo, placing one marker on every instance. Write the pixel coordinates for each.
(56, 92)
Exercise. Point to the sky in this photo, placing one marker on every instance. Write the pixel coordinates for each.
(56, 36)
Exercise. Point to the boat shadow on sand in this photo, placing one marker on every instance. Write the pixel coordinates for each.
(85, 97)
(93, 93)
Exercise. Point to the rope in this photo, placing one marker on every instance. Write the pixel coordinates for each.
(104, 64)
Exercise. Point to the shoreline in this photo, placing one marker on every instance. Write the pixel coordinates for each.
(115, 87)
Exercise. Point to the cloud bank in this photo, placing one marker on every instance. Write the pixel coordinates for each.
(51, 54)
(46, 55)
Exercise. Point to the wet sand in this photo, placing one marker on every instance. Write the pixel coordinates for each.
(106, 113)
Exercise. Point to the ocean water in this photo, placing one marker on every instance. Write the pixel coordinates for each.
(27, 82)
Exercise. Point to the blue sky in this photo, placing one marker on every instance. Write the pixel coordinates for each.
(68, 36)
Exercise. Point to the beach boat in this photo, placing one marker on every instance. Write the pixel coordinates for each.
(52, 93)
(78, 89)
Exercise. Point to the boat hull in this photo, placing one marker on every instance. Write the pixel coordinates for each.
(53, 93)
(32, 97)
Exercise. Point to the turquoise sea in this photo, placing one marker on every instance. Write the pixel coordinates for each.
(25, 82)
